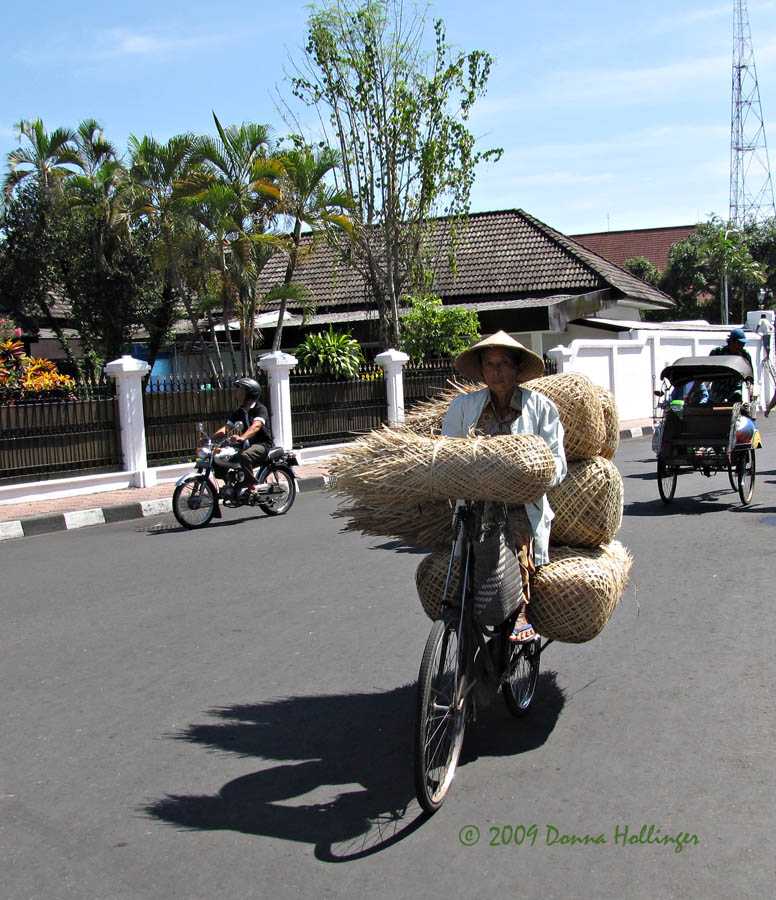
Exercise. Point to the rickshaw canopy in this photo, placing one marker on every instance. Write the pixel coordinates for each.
(706, 368)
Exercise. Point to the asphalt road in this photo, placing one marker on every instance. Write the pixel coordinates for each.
(227, 714)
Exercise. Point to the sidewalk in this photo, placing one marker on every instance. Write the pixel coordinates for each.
(44, 516)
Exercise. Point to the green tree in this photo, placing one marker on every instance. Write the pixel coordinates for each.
(699, 267)
(399, 117)
(307, 200)
(431, 329)
(642, 268)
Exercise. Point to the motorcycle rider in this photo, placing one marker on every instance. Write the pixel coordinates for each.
(256, 437)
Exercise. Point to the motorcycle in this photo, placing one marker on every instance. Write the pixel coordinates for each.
(197, 499)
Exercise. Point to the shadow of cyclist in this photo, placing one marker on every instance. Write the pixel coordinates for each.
(344, 780)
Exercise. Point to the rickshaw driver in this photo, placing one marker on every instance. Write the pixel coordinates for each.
(727, 390)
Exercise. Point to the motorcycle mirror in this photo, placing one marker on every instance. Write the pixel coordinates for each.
(238, 429)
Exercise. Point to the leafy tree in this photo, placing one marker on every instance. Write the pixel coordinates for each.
(642, 268)
(431, 329)
(399, 117)
(308, 201)
(698, 268)
(331, 353)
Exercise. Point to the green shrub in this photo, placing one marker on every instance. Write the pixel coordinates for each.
(331, 353)
(432, 330)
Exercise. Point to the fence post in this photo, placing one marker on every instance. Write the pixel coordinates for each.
(278, 366)
(128, 374)
(393, 361)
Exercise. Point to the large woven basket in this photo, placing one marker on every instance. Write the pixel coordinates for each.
(587, 504)
(611, 423)
(574, 595)
(395, 467)
(430, 579)
(580, 412)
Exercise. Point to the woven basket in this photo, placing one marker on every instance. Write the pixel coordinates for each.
(430, 581)
(611, 423)
(574, 595)
(394, 467)
(580, 412)
(587, 504)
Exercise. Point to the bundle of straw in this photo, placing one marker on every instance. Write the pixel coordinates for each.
(611, 423)
(580, 412)
(587, 504)
(574, 595)
(394, 467)
(426, 524)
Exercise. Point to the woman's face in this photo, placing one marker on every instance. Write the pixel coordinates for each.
(499, 370)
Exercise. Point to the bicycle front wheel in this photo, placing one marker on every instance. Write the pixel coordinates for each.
(441, 714)
(520, 683)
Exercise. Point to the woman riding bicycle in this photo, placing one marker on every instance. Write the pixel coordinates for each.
(503, 407)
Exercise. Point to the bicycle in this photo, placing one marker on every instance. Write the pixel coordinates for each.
(461, 656)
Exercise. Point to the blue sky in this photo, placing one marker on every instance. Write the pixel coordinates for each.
(611, 115)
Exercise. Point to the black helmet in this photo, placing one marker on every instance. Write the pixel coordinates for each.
(252, 388)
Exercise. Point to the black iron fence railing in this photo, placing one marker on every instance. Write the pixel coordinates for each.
(172, 407)
(327, 410)
(42, 439)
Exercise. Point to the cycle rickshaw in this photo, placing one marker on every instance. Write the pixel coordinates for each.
(702, 437)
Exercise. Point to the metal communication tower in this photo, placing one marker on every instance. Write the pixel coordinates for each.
(751, 188)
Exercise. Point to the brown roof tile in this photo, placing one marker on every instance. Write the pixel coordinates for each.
(499, 255)
(652, 243)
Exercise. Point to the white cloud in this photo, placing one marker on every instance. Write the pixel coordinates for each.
(121, 42)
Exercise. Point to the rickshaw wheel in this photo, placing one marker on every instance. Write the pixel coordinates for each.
(745, 472)
(666, 481)
(732, 477)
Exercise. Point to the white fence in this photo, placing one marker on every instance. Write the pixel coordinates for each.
(630, 366)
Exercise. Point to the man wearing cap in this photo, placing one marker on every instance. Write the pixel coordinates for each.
(724, 391)
(503, 407)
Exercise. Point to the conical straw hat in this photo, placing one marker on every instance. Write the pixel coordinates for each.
(530, 365)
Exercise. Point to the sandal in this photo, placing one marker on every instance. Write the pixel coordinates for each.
(523, 632)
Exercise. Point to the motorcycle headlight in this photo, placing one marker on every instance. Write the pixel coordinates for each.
(203, 452)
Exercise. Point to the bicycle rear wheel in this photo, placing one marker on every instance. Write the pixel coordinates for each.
(520, 684)
(440, 714)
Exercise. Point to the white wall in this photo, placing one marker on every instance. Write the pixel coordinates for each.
(630, 366)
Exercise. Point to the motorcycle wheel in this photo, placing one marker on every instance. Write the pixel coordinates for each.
(194, 502)
(283, 481)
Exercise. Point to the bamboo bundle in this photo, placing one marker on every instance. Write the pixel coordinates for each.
(611, 423)
(394, 467)
(574, 595)
(580, 412)
(587, 504)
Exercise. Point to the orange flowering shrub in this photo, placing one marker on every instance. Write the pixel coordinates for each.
(26, 377)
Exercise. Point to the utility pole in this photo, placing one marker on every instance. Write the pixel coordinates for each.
(751, 188)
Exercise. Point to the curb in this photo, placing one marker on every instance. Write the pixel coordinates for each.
(637, 432)
(106, 515)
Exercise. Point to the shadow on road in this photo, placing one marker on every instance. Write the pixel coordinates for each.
(359, 742)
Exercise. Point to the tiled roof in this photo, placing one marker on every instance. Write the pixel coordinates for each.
(652, 243)
(504, 255)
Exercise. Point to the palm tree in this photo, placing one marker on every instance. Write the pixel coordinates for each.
(47, 160)
(154, 170)
(308, 201)
(235, 186)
